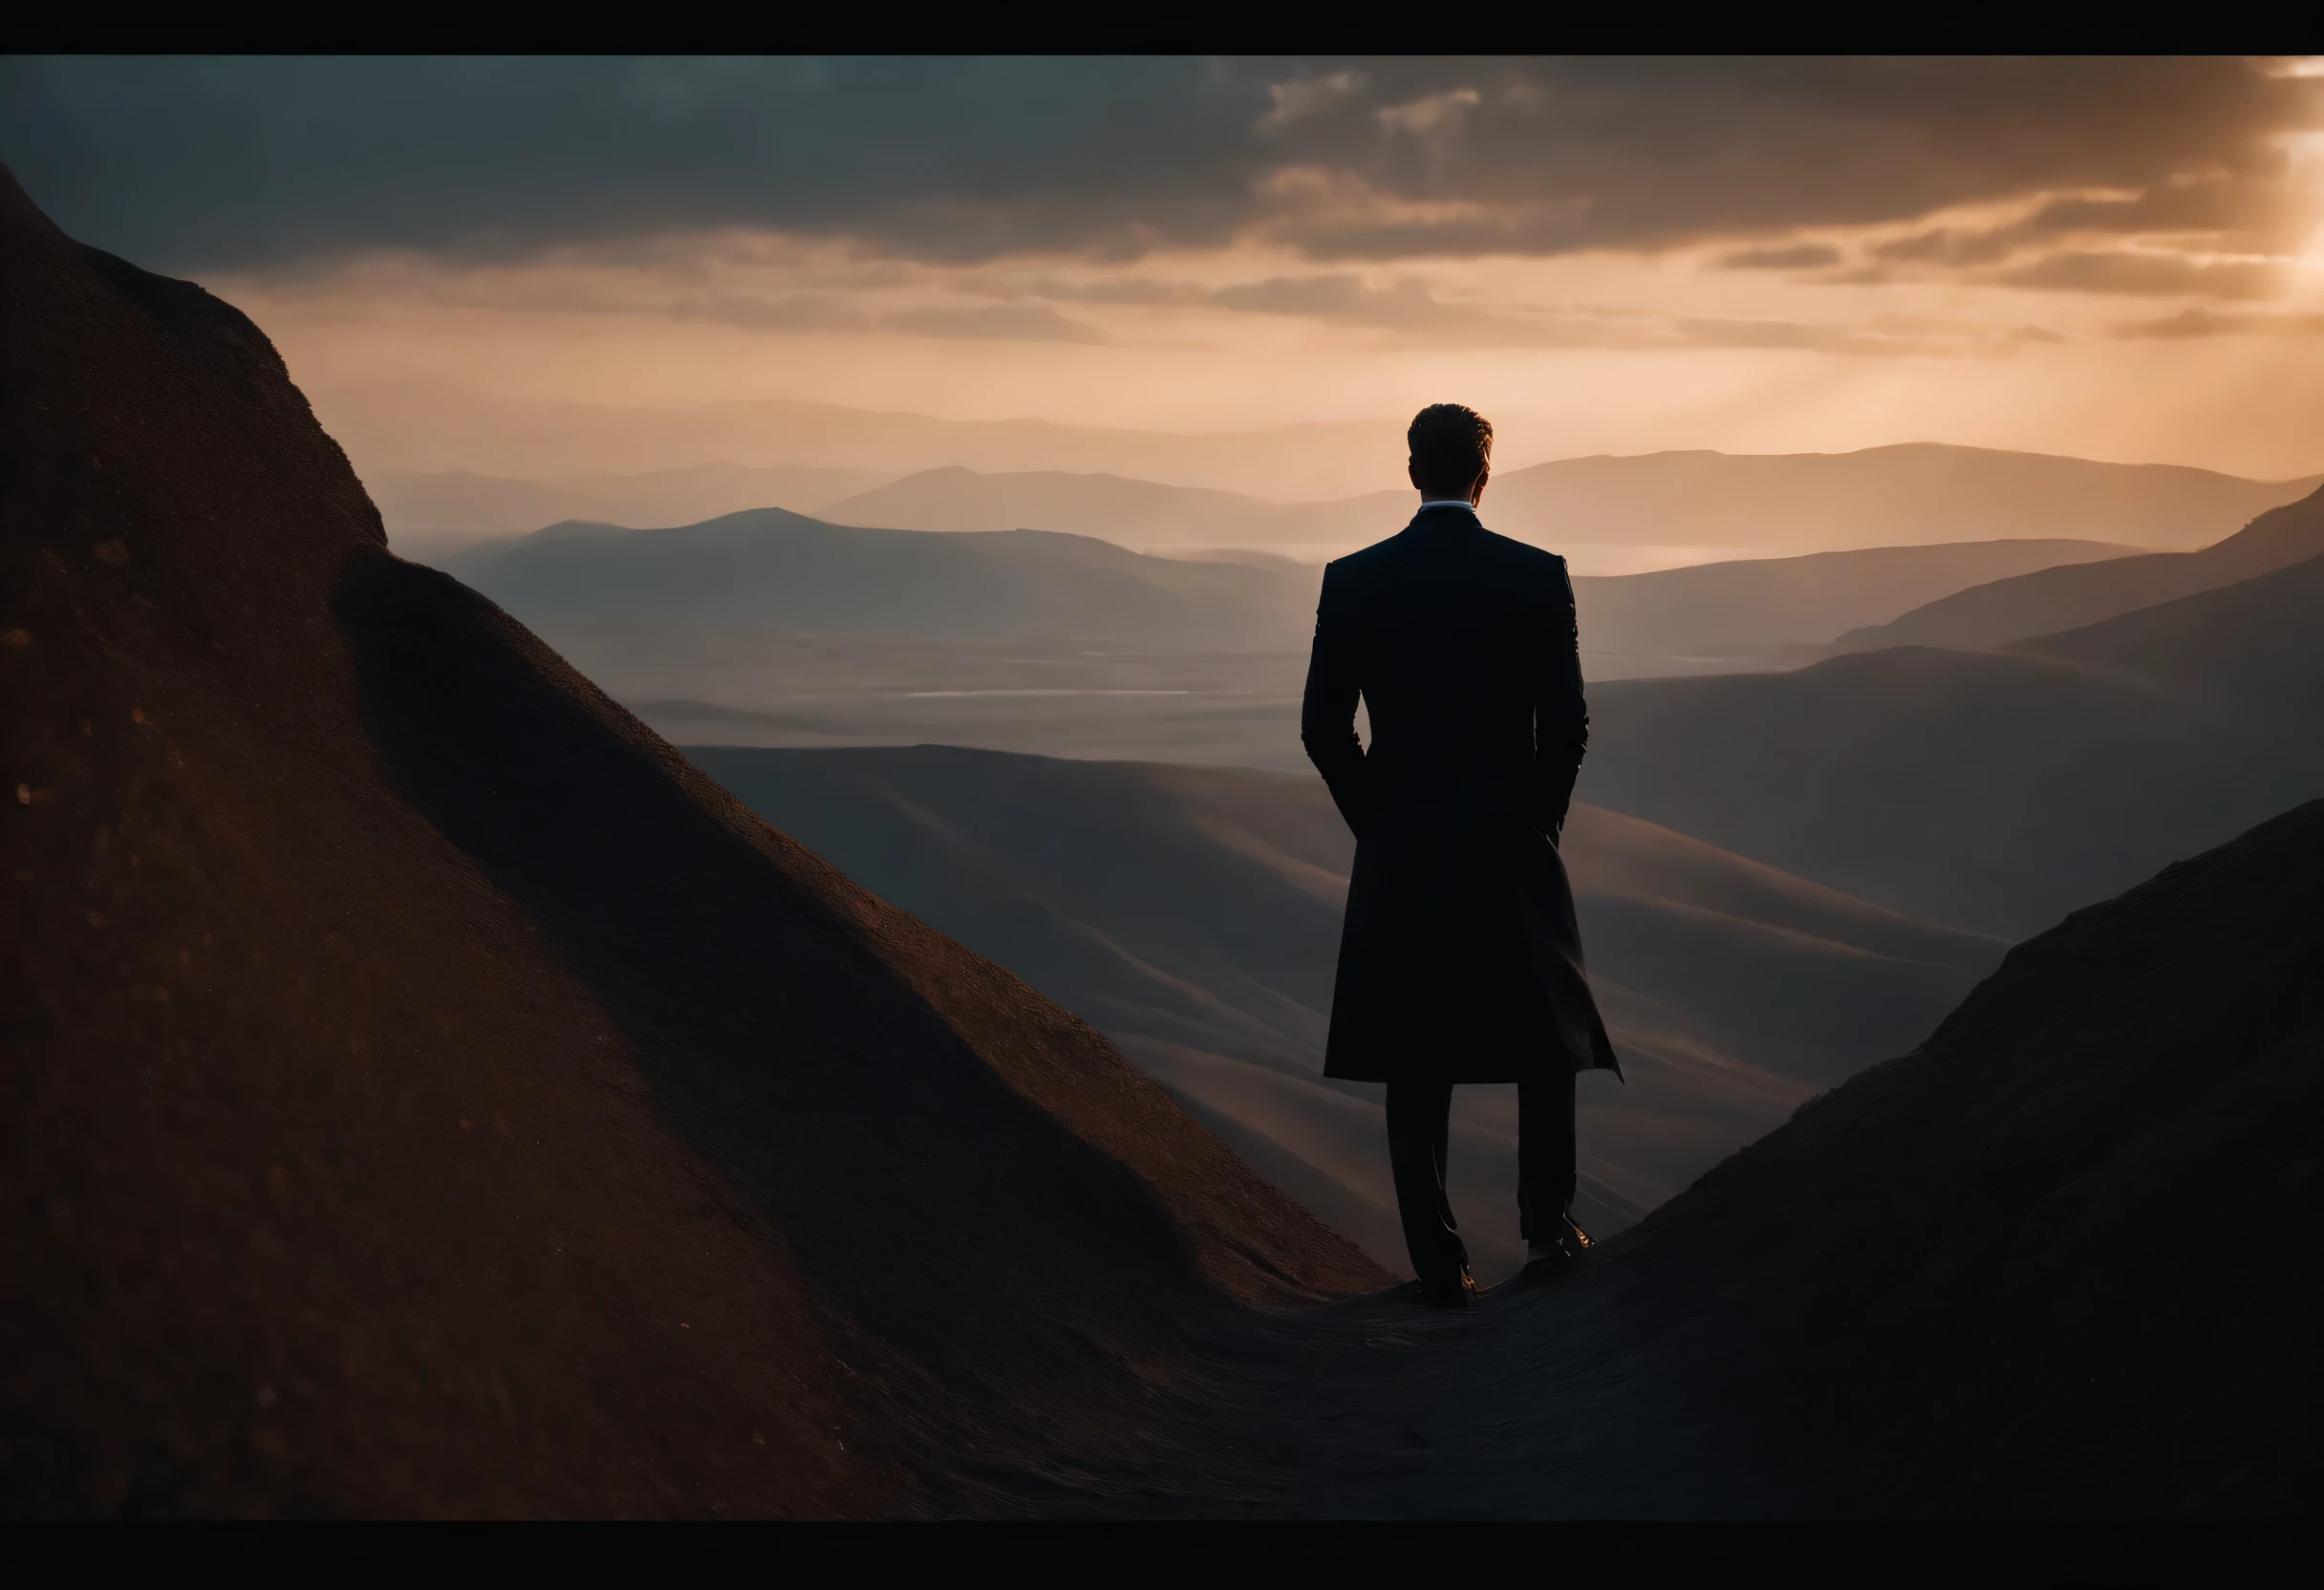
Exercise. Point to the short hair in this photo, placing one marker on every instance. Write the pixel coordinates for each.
(1450, 445)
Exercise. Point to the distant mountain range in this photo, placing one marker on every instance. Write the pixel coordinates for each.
(780, 570)
(1192, 915)
(2051, 599)
(460, 507)
(1913, 495)
(1661, 507)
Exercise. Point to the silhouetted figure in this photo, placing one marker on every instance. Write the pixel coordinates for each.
(1459, 960)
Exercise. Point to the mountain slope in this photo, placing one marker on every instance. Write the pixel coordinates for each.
(2054, 599)
(1194, 914)
(2248, 648)
(428, 1094)
(1992, 791)
(1753, 606)
(2056, 1262)
(2053, 1264)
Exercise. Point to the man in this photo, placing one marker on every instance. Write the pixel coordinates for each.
(1459, 960)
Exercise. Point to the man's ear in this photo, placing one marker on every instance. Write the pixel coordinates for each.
(1477, 493)
(1412, 472)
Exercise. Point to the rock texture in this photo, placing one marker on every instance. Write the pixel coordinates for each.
(426, 1093)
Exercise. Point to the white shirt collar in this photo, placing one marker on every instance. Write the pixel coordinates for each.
(1461, 503)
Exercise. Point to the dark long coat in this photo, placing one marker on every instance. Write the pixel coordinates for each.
(1460, 958)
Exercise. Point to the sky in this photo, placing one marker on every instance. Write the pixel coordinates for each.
(2116, 258)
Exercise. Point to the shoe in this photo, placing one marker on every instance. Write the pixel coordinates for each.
(1459, 1292)
(1566, 1245)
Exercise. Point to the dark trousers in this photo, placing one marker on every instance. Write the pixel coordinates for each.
(1419, 1119)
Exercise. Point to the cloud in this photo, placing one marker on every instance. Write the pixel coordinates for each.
(1406, 306)
(2193, 214)
(995, 322)
(1889, 336)
(1429, 114)
(2157, 274)
(1944, 245)
(797, 313)
(2192, 323)
(211, 162)
(1796, 256)
(1410, 307)
(1016, 322)
(1305, 97)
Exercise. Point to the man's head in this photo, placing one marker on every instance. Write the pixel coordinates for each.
(1451, 451)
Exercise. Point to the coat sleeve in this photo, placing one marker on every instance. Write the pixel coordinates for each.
(1561, 717)
(1327, 711)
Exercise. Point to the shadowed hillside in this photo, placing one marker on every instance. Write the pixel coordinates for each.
(2057, 1261)
(428, 1093)
(1194, 915)
(2052, 599)
(1990, 790)
(1754, 607)
(2248, 647)
(2054, 1263)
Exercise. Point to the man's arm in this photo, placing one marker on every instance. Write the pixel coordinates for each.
(1561, 718)
(1327, 712)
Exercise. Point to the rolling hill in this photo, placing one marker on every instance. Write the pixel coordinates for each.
(2050, 600)
(1990, 790)
(2248, 648)
(1754, 608)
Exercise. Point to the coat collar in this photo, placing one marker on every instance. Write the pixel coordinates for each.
(1450, 516)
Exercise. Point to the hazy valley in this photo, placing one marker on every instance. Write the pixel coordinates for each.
(1788, 868)
(1192, 915)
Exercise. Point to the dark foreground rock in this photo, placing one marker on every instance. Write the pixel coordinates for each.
(426, 1093)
